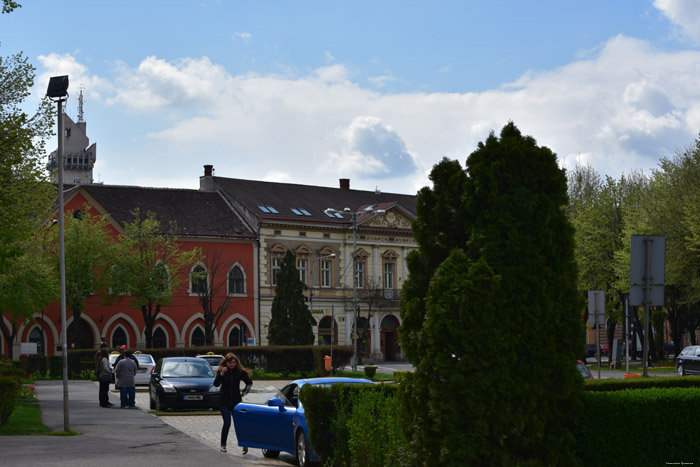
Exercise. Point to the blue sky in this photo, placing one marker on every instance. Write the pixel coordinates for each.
(378, 92)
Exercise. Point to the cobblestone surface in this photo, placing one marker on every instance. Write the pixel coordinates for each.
(207, 428)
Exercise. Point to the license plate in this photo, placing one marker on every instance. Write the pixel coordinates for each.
(194, 398)
(141, 370)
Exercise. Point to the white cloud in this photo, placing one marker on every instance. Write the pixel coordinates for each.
(369, 148)
(684, 13)
(620, 109)
(246, 36)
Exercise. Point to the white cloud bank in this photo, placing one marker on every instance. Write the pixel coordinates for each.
(619, 110)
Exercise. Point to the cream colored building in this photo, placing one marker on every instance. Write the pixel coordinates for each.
(297, 218)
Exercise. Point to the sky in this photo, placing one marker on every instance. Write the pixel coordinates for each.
(375, 91)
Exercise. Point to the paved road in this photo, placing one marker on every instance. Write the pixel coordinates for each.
(126, 438)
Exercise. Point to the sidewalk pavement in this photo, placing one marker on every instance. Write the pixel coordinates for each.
(118, 437)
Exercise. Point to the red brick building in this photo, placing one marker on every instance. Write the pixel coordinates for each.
(204, 220)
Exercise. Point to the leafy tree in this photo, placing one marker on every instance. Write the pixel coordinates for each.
(148, 267)
(26, 197)
(29, 286)
(9, 5)
(505, 294)
(292, 322)
(89, 251)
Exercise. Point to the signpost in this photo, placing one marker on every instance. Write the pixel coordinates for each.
(647, 275)
(596, 316)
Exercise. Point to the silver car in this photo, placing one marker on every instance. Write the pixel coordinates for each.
(146, 366)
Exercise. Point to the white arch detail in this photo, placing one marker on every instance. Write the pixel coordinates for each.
(227, 324)
(169, 320)
(132, 323)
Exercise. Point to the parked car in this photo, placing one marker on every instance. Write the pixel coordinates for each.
(688, 361)
(183, 383)
(583, 369)
(280, 424)
(146, 366)
(590, 350)
(213, 359)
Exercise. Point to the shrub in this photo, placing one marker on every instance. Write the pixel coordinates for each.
(10, 369)
(370, 371)
(668, 416)
(355, 424)
(9, 396)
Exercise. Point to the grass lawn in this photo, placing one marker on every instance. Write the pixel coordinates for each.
(25, 420)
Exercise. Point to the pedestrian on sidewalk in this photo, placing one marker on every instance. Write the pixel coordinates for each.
(104, 376)
(124, 373)
(229, 376)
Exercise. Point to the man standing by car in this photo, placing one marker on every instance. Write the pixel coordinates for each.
(123, 354)
(124, 372)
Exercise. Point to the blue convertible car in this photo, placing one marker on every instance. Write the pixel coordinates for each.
(280, 425)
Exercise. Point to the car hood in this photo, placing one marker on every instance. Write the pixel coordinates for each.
(185, 384)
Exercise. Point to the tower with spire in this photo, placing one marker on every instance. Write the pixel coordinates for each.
(78, 154)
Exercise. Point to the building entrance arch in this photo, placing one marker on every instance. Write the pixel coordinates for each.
(390, 338)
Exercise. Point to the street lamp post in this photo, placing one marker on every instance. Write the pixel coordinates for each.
(353, 215)
(58, 92)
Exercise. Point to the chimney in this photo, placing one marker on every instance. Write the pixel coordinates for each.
(344, 183)
(206, 183)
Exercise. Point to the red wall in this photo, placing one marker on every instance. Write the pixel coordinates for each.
(178, 320)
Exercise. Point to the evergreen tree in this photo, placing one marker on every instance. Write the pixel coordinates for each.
(501, 327)
(292, 322)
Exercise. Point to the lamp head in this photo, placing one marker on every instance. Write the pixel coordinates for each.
(58, 87)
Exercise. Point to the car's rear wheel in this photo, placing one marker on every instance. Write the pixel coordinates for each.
(681, 370)
(270, 454)
(160, 405)
(302, 451)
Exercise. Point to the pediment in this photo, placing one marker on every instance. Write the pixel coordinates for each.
(393, 218)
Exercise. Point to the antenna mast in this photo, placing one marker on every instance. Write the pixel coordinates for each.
(80, 105)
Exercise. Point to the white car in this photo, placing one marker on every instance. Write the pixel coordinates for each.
(146, 366)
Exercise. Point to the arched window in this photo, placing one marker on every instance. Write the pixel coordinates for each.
(197, 338)
(234, 337)
(160, 340)
(198, 280)
(236, 281)
(37, 337)
(118, 338)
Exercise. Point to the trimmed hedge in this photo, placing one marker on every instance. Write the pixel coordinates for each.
(654, 426)
(352, 424)
(282, 359)
(642, 383)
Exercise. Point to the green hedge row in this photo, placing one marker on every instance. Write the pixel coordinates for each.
(653, 422)
(606, 385)
(355, 424)
(654, 426)
(280, 359)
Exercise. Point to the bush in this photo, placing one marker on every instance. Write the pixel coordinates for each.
(352, 424)
(11, 369)
(9, 396)
(642, 383)
(370, 371)
(668, 416)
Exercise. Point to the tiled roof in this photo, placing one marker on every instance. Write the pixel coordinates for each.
(313, 200)
(195, 212)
